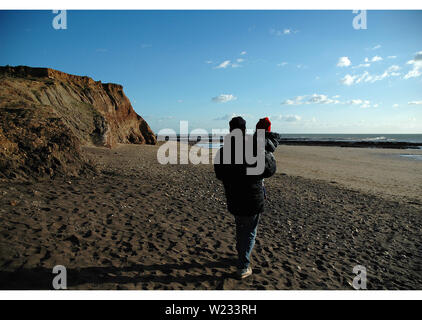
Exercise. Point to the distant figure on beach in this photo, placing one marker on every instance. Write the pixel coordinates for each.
(245, 197)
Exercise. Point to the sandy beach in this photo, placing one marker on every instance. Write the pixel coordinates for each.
(382, 172)
(140, 225)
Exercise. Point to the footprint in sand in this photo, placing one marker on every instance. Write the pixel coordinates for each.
(303, 276)
(152, 247)
(87, 234)
(287, 267)
(217, 245)
(288, 283)
(171, 245)
(320, 266)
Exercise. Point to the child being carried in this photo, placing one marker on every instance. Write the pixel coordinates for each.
(271, 140)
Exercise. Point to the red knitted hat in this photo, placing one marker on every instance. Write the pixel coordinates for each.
(264, 123)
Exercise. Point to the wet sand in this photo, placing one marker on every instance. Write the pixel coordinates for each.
(141, 225)
(382, 172)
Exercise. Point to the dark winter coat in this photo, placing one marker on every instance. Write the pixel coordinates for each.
(244, 193)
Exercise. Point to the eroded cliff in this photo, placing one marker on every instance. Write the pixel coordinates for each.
(46, 115)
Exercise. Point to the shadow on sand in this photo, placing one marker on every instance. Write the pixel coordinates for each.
(41, 278)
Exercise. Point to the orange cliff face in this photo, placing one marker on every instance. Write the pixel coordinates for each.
(113, 116)
(45, 112)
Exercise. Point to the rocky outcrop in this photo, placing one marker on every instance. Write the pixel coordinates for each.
(46, 115)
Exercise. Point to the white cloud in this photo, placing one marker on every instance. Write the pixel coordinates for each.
(376, 58)
(355, 101)
(349, 80)
(282, 64)
(227, 63)
(223, 65)
(393, 67)
(343, 62)
(289, 102)
(362, 65)
(390, 72)
(362, 103)
(395, 105)
(362, 77)
(376, 47)
(208, 61)
(323, 99)
(296, 101)
(223, 98)
(293, 118)
(415, 102)
(287, 118)
(285, 31)
(416, 66)
(414, 73)
(391, 57)
(418, 56)
(229, 116)
(310, 99)
(243, 53)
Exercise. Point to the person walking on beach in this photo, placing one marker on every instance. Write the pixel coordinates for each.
(245, 197)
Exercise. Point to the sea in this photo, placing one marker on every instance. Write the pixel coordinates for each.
(413, 138)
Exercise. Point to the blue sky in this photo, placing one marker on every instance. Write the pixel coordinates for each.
(309, 71)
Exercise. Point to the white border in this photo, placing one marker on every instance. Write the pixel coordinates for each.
(213, 4)
(211, 295)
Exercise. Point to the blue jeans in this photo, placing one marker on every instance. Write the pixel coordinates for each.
(246, 228)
